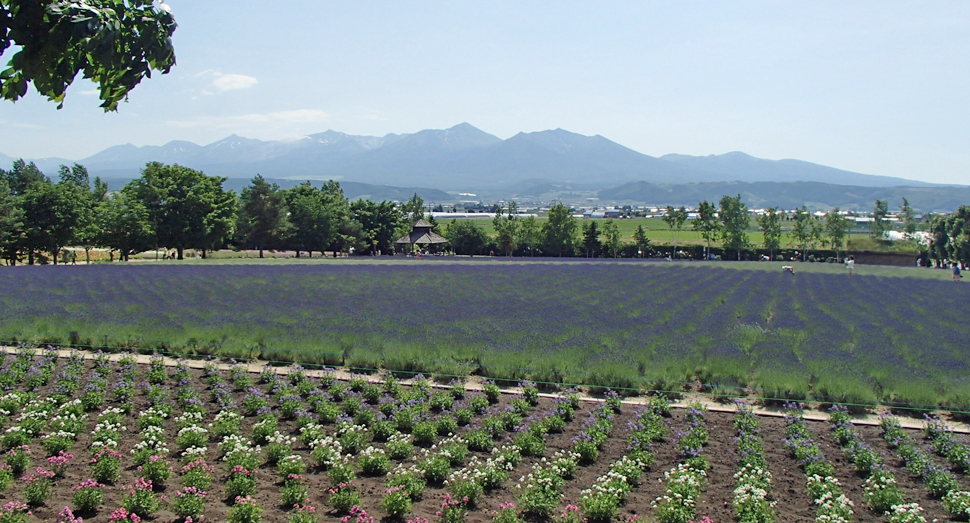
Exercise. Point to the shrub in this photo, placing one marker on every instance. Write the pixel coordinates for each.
(412, 482)
(156, 470)
(88, 496)
(289, 465)
(294, 493)
(18, 459)
(189, 503)
(197, 474)
(140, 499)
(246, 510)
(492, 392)
(452, 510)
(507, 514)
(396, 502)
(344, 497)
(303, 514)
(342, 473)
(374, 462)
(241, 482)
(957, 503)
(399, 447)
(38, 487)
(436, 469)
(14, 512)
(106, 466)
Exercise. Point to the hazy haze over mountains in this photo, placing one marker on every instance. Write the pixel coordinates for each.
(461, 158)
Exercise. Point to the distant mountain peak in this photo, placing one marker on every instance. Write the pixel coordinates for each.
(464, 158)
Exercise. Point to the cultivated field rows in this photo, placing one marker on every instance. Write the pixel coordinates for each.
(531, 431)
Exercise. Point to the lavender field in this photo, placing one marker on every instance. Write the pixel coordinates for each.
(648, 326)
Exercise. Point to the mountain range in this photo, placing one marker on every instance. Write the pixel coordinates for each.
(461, 158)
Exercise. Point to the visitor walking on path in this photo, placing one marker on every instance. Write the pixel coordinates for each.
(956, 272)
(850, 264)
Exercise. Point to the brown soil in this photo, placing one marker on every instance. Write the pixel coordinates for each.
(789, 480)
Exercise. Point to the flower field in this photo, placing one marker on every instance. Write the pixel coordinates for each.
(97, 438)
(646, 326)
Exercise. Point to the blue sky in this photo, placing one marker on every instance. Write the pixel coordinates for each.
(877, 87)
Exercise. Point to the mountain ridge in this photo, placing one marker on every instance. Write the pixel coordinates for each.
(461, 158)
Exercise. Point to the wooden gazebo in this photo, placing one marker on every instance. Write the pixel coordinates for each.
(421, 234)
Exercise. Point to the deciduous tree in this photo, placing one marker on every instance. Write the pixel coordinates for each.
(114, 43)
(11, 222)
(559, 232)
(379, 223)
(734, 224)
(611, 232)
(263, 222)
(879, 224)
(770, 224)
(124, 225)
(507, 229)
(909, 217)
(187, 209)
(837, 228)
(530, 234)
(707, 222)
(51, 213)
(466, 237)
(675, 219)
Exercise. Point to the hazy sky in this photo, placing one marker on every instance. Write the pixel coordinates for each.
(878, 87)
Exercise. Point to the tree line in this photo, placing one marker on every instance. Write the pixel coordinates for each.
(176, 208)
(726, 221)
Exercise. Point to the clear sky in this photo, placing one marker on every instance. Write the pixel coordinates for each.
(879, 87)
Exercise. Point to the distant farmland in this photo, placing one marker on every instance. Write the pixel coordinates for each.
(637, 325)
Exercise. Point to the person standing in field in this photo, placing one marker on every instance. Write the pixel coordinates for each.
(850, 264)
(956, 272)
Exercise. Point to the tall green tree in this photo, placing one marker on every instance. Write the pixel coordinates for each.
(940, 238)
(559, 232)
(611, 231)
(530, 234)
(837, 228)
(313, 228)
(466, 237)
(21, 176)
(641, 240)
(707, 222)
(114, 43)
(413, 210)
(958, 230)
(675, 218)
(909, 217)
(734, 224)
(801, 231)
(124, 225)
(507, 229)
(770, 224)
(187, 209)
(86, 228)
(591, 239)
(11, 223)
(379, 222)
(51, 214)
(879, 224)
(263, 222)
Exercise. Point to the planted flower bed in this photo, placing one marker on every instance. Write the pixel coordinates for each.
(150, 442)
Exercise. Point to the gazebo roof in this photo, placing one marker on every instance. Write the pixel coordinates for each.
(421, 237)
(421, 234)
